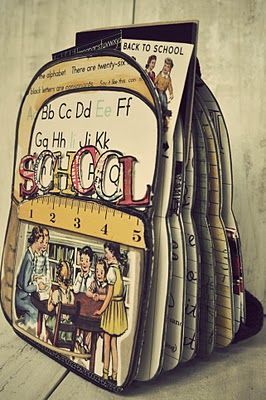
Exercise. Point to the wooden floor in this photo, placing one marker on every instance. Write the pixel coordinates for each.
(237, 373)
(232, 55)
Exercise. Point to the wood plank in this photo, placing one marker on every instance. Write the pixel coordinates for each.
(29, 33)
(26, 373)
(237, 372)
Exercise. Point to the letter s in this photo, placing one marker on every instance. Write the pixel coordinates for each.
(26, 171)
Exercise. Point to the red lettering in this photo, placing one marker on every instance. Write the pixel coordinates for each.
(110, 176)
(77, 172)
(127, 199)
(29, 186)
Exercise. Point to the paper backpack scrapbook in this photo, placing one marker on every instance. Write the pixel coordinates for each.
(82, 211)
(122, 256)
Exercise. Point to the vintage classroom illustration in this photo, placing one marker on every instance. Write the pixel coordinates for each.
(75, 295)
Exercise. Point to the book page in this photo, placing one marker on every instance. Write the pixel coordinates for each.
(193, 258)
(207, 273)
(227, 212)
(224, 300)
(166, 64)
(176, 306)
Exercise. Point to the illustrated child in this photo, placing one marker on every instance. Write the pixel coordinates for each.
(61, 292)
(149, 67)
(114, 318)
(98, 288)
(41, 270)
(85, 276)
(81, 285)
(25, 287)
(163, 84)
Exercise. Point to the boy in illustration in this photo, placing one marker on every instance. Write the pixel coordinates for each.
(149, 67)
(85, 276)
(98, 287)
(60, 292)
(81, 285)
(163, 84)
(113, 311)
(41, 270)
(25, 287)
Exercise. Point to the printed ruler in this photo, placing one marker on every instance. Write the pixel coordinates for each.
(87, 218)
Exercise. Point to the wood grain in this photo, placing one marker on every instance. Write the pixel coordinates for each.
(232, 54)
(26, 373)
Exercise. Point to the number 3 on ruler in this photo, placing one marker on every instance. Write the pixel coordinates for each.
(77, 222)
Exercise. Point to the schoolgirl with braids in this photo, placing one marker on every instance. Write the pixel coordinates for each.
(60, 293)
